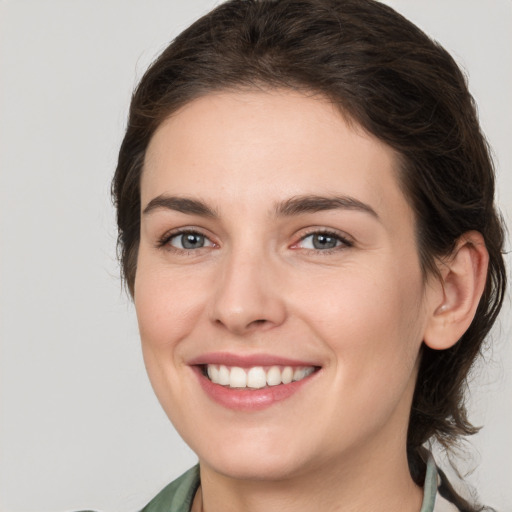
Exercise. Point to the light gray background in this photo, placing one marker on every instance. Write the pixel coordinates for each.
(79, 425)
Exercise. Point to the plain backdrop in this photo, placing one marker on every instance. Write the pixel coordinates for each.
(79, 425)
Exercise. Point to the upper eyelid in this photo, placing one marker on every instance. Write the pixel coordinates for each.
(326, 233)
(186, 229)
(171, 233)
(346, 238)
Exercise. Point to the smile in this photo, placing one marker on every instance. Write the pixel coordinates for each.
(252, 382)
(256, 377)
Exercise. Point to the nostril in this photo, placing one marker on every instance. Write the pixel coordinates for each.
(255, 323)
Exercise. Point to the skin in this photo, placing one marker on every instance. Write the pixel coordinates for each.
(359, 311)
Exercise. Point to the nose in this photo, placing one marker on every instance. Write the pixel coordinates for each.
(247, 295)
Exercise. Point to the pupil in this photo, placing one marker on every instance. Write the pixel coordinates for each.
(324, 242)
(192, 241)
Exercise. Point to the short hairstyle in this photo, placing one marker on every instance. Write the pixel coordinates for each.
(384, 74)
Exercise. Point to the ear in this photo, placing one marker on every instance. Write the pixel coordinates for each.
(456, 296)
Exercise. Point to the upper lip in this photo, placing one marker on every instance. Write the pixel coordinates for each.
(247, 360)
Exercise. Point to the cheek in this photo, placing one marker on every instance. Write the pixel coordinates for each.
(370, 318)
(167, 307)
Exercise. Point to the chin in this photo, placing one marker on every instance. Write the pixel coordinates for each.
(256, 457)
(256, 467)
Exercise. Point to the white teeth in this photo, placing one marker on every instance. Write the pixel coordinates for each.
(274, 376)
(256, 377)
(299, 373)
(213, 373)
(237, 378)
(223, 375)
(287, 375)
(302, 373)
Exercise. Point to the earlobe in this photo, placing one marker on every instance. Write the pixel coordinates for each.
(463, 276)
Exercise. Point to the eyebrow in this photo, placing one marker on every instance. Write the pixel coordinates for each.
(294, 206)
(180, 204)
(312, 203)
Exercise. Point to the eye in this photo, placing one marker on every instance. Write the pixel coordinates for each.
(189, 240)
(323, 241)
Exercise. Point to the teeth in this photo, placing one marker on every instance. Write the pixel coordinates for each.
(287, 375)
(299, 373)
(274, 376)
(237, 378)
(223, 376)
(302, 373)
(213, 373)
(256, 377)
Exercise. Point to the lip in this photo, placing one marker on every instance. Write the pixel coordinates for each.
(248, 399)
(247, 360)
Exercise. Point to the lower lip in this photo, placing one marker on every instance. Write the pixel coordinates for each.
(249, 399)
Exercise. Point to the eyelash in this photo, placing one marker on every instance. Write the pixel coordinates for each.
(344, 241)
(164, 241)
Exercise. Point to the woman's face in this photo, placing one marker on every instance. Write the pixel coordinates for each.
(275, 245)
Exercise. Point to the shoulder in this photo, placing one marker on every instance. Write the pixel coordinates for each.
(178, 495)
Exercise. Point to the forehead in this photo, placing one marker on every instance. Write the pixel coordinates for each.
(254, 148)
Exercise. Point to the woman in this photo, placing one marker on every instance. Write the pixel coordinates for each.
(307, 227)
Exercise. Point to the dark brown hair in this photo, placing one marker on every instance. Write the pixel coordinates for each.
(389, 77)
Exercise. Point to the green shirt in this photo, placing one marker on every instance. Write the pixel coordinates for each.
(179, 495)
